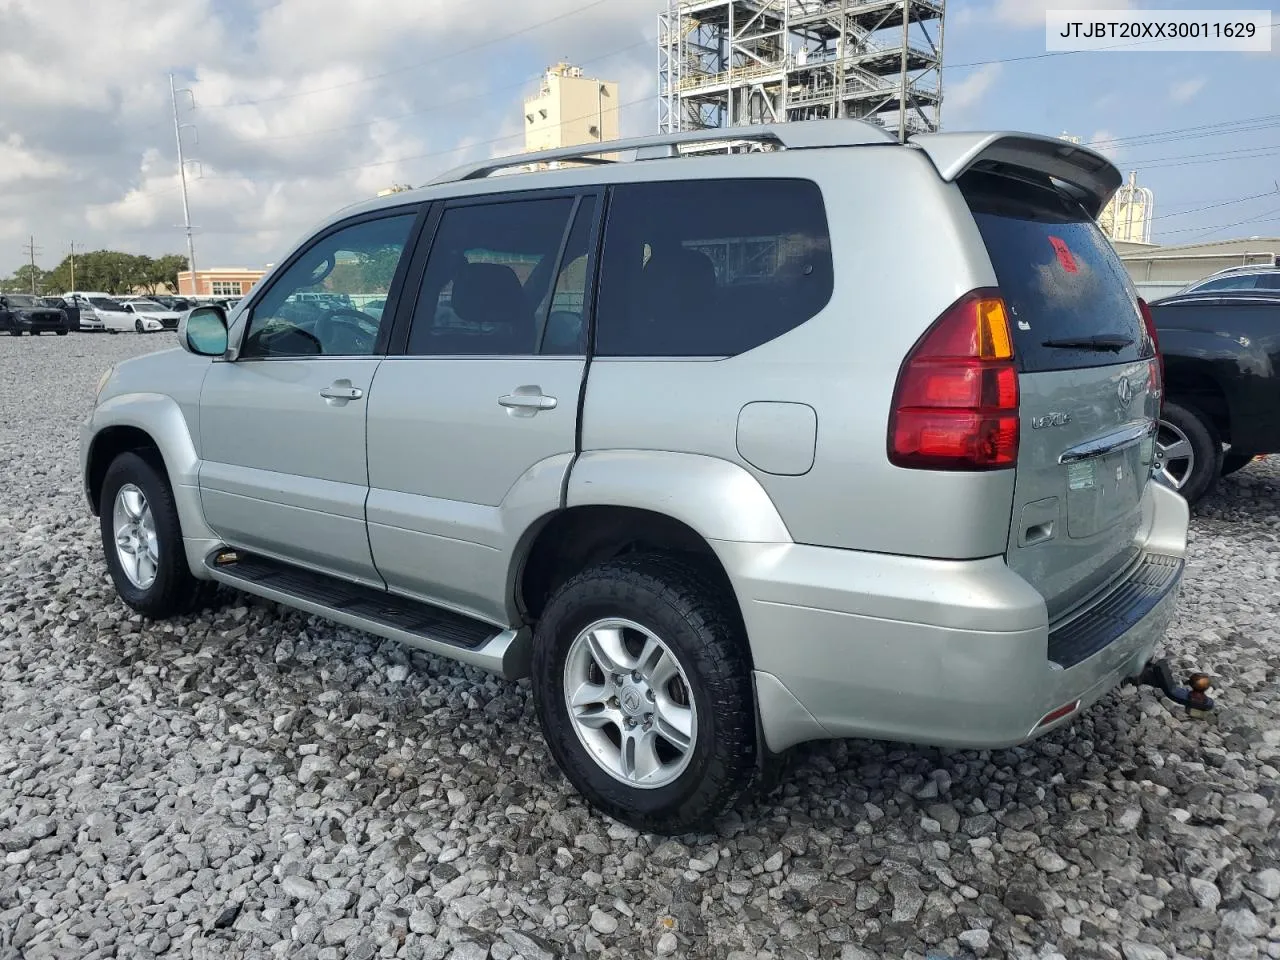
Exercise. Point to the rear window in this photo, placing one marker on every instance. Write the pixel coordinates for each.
(1059, 276)
(710, 267)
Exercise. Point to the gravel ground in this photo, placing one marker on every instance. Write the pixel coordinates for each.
(254, 782)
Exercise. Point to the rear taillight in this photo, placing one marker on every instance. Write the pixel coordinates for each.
(1157, 362)
(956, 403)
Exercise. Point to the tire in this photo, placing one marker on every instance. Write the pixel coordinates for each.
(1235, 462)
(172, 590)
(137, 327)
(15, 332)
(1189, 450)
(699, 626)
(62, 333)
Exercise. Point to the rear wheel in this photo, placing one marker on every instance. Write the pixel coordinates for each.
(1188, 451)
(62, 333)
(15, 332)
(643, 690)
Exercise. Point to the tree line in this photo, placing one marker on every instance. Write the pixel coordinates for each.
(108, 271)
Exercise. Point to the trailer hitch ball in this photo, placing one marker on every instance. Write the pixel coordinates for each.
(1194, 696)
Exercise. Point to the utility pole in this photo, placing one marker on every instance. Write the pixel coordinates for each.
(73, 264)
(31, 250)
(182, 176)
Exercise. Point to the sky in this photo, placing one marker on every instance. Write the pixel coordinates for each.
(300, 107)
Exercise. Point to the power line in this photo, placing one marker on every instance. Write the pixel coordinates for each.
(414, 66)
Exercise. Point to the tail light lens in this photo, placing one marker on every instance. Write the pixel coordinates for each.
(1157, 362)
(956, 402)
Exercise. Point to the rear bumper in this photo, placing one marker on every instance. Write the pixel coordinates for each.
(944, 653)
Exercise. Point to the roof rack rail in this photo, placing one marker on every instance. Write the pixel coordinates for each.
(797, 135)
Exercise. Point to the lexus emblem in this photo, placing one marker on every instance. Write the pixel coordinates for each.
(1124, 389)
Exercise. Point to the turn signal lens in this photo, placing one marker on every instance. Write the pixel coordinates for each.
(956, 402)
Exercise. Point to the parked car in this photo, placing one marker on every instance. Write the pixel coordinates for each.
(90, 303)
(179, 304)
(593, 456)
(149, 316)
(22, 313)
(72, 312)
(1261, 276)
(1221, 352)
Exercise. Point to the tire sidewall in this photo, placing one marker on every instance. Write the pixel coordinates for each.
(563, 620)
(131, 468)
(1205, 444)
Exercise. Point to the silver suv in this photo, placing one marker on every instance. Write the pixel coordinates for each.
(837, 437)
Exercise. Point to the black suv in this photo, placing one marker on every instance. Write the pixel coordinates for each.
(1221, 352)
(22, 313)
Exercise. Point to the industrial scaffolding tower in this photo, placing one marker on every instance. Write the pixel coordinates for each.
(724, 63)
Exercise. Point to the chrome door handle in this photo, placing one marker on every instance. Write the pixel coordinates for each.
(337, 392)
(528, 401)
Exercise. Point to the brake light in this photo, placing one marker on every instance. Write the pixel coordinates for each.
(955, 406)
(1157, 362)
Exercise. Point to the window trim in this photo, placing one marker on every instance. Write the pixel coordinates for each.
(398, 347)
(420, 211)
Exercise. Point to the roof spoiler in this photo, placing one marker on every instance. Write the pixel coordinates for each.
(1088, 175)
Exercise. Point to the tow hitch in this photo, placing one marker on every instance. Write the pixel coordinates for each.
(1193, 696)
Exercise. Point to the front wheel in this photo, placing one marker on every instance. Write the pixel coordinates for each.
(643, 689)
(137, 327)
(142, 540)
(62, 333)
(1188, 451)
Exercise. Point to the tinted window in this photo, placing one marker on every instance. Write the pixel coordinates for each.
(1246, 282)
(1058, 274)
(313, 309)
(710, 267)
(1269, 281)
(565, 330)
(489, 278)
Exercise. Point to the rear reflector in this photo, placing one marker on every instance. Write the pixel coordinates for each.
(1063, 711)
(955, 406)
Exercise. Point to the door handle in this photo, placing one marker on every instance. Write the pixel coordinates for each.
(528, 401)
(341, 391)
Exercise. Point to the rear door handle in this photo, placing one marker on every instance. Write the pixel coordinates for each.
(341, 391)
(528, 401)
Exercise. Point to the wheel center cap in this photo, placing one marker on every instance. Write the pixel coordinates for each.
(632, 700)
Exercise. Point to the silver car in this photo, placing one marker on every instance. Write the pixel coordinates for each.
(837, 438)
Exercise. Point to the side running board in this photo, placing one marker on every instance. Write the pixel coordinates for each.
(422, 625)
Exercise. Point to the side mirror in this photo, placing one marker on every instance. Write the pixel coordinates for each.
(203, 331)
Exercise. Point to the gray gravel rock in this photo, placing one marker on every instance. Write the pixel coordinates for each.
(250, 781)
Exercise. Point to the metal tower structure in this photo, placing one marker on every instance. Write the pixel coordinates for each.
(724, 63)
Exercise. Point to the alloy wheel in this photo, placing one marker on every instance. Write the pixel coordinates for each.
(630, 703)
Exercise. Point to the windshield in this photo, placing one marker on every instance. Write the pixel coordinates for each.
(20, 300)
(102, 303)
(146, 306)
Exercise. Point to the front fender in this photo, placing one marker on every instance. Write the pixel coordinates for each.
(161, 418)
(718, 499)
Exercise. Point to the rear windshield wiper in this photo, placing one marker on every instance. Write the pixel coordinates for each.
(1112, 344)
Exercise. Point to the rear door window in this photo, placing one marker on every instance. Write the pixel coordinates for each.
(1070, 299)
(710, 267)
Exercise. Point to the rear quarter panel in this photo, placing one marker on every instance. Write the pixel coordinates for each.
(903, 252)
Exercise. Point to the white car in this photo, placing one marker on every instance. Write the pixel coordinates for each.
(149, 316)
(100, 311)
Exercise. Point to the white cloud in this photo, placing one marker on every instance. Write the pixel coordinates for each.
(1104, 141)
(1031, 13)
(1185, 90)
(335, 101)
(969, 92)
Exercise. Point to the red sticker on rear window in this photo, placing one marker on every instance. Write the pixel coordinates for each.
(1064, 255)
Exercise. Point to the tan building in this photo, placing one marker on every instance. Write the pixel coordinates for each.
(1159, 271)
(218, 282)
(570, 109)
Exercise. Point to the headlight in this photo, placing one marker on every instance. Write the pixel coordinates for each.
(106, 375)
